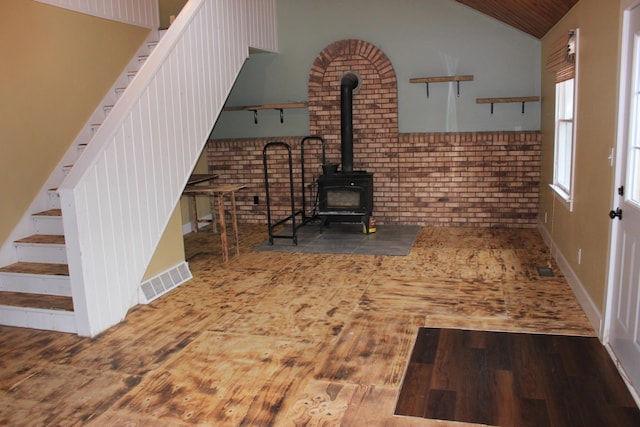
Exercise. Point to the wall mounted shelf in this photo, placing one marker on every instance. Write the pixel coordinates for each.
(280, 107)
(442, 79)
(518, 99)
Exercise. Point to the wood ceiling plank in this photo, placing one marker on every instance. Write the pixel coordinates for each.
(535, 17)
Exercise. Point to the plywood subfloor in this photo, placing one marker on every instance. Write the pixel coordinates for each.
(284, 339)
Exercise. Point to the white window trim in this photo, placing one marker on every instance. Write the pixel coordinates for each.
(567, 199)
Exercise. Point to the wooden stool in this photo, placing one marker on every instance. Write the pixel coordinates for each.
(220, 191)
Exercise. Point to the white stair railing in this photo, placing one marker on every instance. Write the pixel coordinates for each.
(119, 196)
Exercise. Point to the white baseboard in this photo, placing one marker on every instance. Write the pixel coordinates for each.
(593, 314)
(188, 227)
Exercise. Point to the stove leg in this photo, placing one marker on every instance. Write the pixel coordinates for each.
(323, 223)
(365, 223)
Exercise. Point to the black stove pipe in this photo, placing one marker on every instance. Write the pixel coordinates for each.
(348, 83)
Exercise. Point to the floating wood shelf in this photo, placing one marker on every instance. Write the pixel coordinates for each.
(280, 107)
(268, 106)
(517, 99)
(442, 79)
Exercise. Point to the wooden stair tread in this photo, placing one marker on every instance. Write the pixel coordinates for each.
(37, 268)
(51, 239)
(47, 302)
(50, 212)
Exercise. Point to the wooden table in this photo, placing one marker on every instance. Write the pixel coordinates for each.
(199, 178)
(220, 192)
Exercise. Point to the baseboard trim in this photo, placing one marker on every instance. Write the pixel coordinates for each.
(188, 227)
(593, 314)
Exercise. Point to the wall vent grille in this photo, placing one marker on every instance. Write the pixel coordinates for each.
(159, 285)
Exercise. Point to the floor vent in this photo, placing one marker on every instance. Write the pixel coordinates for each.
(159, 285)
(545, 272)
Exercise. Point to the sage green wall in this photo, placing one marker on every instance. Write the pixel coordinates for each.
(421, 38)
(56, 66)
(587, 228)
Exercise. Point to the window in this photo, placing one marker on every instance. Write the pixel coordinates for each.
(564, 140)
(633, 154)
(562, 60)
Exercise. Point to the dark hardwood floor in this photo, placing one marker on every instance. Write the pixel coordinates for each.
(514, 379)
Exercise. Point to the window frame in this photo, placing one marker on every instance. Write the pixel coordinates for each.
(566, 195)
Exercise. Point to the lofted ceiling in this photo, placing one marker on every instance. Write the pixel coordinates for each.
(535, 17)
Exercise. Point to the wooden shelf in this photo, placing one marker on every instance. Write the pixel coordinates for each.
(281, 107)
(268, 106)
(517, 99)
(442, 79)
(507, 100)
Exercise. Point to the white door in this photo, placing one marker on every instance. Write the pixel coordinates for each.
(623, 307)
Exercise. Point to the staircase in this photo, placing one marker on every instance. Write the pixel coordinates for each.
(35, 291)
(80, 269)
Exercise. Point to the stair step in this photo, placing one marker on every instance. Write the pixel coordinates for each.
(43, 239)
(40, 268)
(36, 278)
(48, 222)
(38, 318)
(46, 248)
(47, 302)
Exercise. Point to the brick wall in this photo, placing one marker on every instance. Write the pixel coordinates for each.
(487, 179)
(484, 179)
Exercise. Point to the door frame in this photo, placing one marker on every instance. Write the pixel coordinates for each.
(625, 80)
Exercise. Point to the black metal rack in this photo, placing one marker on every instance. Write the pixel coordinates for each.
(313, 185)
(294, 213)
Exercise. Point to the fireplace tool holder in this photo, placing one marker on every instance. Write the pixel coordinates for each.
(291, 218)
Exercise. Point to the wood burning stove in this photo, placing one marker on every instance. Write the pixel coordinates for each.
(346, 196)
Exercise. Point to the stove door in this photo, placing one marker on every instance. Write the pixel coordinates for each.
(342, 198)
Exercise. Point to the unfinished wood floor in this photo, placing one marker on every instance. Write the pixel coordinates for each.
(284, 339)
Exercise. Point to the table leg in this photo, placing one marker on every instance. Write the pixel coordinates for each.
(234, 221)
(212, 205)
(194, 213)
(223, 229)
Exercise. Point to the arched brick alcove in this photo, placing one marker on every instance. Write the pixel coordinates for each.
(375, 112)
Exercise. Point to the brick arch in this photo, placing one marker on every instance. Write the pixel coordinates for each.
(375, 111)
(353, 50)
(375, 105)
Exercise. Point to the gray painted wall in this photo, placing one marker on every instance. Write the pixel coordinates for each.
(422, 38)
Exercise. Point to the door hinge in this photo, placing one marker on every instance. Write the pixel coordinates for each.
(621, 190)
